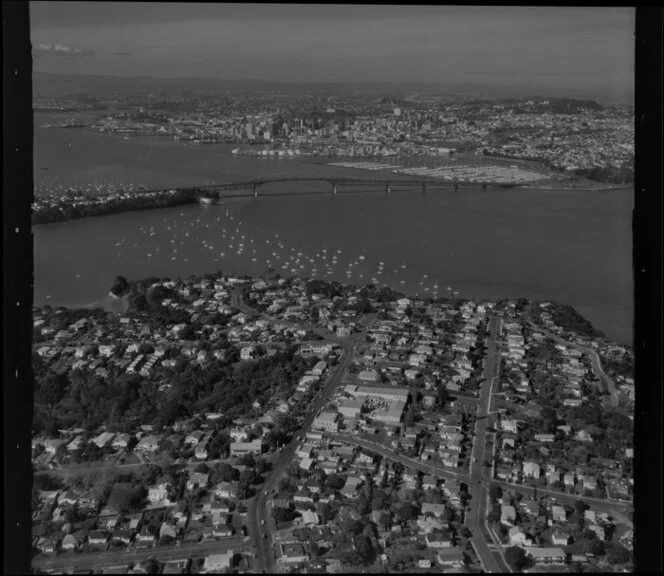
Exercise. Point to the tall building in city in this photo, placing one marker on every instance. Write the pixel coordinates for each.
(397, 112)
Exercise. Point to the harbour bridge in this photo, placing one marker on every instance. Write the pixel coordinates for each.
(422, 183)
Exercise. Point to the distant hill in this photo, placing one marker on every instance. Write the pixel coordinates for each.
(48, 84)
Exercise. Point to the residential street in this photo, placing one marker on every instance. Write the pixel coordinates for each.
(97, 560)
(491, 560)
(596, 363)
(396, 456)
(599, 504)
(260, 522)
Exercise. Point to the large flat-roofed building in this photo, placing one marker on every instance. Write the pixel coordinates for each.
(350, 408)
(384, 392)
(390, 414)
(328, 421)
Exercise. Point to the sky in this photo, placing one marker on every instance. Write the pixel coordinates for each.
(586, 49)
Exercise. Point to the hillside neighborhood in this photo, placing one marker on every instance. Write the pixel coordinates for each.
(351, 413)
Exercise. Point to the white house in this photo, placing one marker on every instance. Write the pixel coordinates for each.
(218, 562)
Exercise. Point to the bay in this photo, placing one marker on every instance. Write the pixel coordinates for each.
(567, 246)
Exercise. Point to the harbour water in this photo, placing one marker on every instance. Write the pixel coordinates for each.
(568, 246)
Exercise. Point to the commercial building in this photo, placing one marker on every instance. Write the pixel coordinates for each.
(391, 414)
(328, 421)
(383, 392)
(350, 408)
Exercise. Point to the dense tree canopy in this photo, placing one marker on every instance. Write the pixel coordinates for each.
(516, 558)
(121, 401)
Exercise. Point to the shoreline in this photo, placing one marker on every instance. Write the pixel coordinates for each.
(249, 197)
(581, 189)
(111, 303)
(120, 305)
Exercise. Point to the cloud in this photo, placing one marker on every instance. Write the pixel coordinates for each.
(60, 50)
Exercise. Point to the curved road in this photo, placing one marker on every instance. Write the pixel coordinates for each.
(595, 361)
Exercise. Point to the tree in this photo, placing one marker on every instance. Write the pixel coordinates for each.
(380, 500)
(285, 514)
(52, 389)
(45, 481)
(145, 348)
(495, 492)
(516, 558)
(364, 552)
(351, 526)
(335, 482)
(363, 504)
(248, 477)
(125, 497)
(120, 286)
(324, 511)
(580, 507)
(617, 553)
(247, 460)
(224, 473)
(262, 466)
(72, 514)
(495, 515)
(408, 511)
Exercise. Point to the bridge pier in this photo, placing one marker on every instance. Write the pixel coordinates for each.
(255, 191)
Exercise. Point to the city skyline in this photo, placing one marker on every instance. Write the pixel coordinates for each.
(571, 51)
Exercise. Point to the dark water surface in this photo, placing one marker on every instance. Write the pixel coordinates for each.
(568, 246)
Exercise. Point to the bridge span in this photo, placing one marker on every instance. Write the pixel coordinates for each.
(335, 183)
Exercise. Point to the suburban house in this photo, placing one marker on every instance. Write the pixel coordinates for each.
(560, 538)
(242, 448)
(507, 515)
(197, 480)
(518, 538)
(546, 555)
(438, 540)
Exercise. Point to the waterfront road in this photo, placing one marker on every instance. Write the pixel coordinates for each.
(491, 558)
(117, 558)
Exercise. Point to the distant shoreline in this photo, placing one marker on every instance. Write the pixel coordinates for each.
(580, 189)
